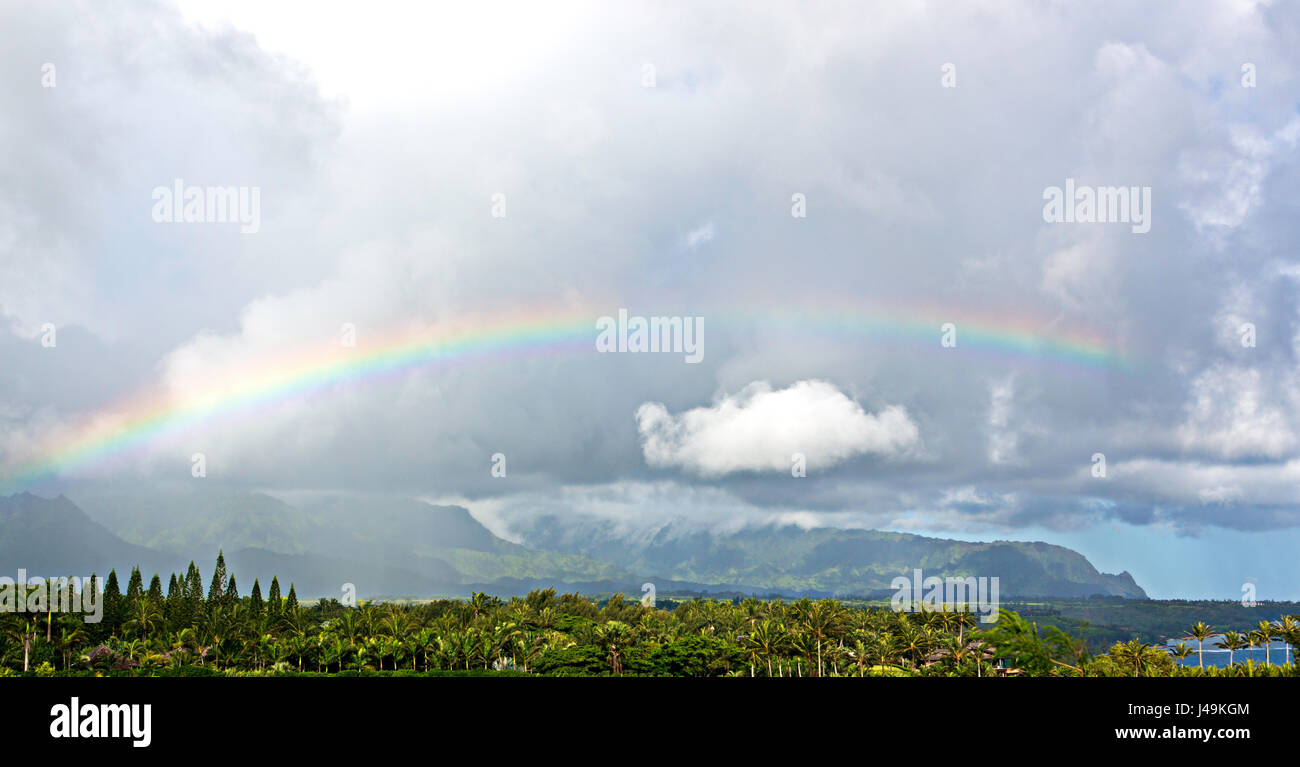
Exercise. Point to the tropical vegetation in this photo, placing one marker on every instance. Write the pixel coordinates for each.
(184, 630)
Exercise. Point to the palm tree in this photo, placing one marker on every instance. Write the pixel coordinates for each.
(960, 651)
(145, 615)
(804, 646)
(502, 637)
(1288, 628)
(420, 644)
(449, 650)
(21, 628)
(298, 645)
(218, 629)
(480, 603)
(613, 635)
(916, 642)
(1200, 632)
(965, 619)
(1262, 635)
(529, 646)
(366, 650)
(886, 649)
(822, 619)
(1137, 653)
(70, 633)
(768, 637)
(397, 623)
(470, 647)
(133, 647)
(1231, 641)
(1182, 652)
(188, 639)
(861, 654)
(332, 651)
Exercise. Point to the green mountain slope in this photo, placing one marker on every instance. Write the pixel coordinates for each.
(182, 519)
(51, 537)
(401, 546)
(830, 560)
(381, 545)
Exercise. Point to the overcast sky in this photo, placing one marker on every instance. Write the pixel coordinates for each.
(649, 157)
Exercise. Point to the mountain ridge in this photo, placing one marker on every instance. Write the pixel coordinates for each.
(832, 560)
(402, 546)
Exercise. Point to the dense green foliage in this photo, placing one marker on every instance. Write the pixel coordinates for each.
(188, 633)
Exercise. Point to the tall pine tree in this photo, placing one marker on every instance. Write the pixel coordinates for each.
(273, 605)
(173, 607)
(113, 607)
(218, 581)
(97, 632)
(193, 595)
(255, 600)
(291, 602)
(134, 586)
(155, 591)
(232, 591)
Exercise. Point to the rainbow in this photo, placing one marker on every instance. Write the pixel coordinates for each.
(271, 380)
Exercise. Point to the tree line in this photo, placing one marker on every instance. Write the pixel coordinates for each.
(186, 629)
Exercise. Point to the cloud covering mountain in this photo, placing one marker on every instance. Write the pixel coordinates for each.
(650, 157)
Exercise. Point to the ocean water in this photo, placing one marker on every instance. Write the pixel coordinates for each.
(1279, 653)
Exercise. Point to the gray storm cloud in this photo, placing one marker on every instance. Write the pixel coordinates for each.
(676, 200)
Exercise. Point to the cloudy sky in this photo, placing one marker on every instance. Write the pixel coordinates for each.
(824, 186)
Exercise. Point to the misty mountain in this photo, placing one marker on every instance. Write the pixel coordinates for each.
(791, 559)
(396, 546)
(181, 519)
(381, 545)
(52, 537)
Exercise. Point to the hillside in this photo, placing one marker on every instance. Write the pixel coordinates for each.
(830, 560)
(398, 546)
(52, 537)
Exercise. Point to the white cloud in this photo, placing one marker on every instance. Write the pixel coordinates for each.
(760, 429)
(1002, 439)
(965, 496)
(1241, 305)
(700, 236)
(1078, 274)
(1226, 181)
(1219, 494)
(1179, 485)
(1229, 415)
